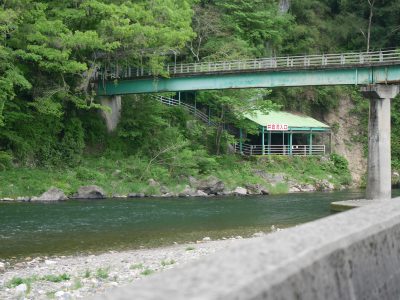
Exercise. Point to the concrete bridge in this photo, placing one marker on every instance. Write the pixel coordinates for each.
(377, 72)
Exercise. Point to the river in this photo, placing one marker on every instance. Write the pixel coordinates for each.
(78, 227)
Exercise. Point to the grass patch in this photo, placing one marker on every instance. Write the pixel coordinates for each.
(102, 273)
(16, 281)
(279, 188)
(87, 274)
(77, 284)
(136, 266)
(147, 272)
(167, 262)
(190, 248)
(56, 278)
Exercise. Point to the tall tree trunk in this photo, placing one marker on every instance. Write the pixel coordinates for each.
(284, 6)
(371, 15)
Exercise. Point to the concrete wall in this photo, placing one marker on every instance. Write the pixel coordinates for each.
(351, 255)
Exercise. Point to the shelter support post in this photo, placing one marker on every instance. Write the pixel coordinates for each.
(269, 142)
(310, 143)
(241, 141)
(379, 185)
(283, 143)
(263, 139)
(291, 143)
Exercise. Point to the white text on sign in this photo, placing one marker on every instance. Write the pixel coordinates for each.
(277, 127)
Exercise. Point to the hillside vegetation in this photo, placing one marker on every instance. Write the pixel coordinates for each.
(51, 131)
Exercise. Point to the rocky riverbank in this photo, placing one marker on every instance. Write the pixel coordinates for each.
(80, 276)
(208, 187)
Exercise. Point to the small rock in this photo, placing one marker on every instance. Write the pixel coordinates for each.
(7, 199)
(50, 262)
(24, 199)
(259, 234)
(2, 266)
(240, 191)
(59, 294)
(132, 195)
(207, 239)
(118, 196)
(21, 289)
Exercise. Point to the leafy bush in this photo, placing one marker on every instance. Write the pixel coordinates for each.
(73, 142)
(340, 163)
(5, 160)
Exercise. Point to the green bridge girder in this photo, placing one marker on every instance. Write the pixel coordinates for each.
(345, 75)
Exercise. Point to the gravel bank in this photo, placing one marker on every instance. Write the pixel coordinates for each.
(80, 276)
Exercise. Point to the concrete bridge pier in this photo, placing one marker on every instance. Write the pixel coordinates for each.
(112, 118)
(379, 184)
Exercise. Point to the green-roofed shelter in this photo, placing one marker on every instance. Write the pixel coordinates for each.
(278, 130)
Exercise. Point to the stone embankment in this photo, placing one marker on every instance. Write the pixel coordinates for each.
(208, 187)
(81, 276)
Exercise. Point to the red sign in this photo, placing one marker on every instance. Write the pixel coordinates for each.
(277, 127)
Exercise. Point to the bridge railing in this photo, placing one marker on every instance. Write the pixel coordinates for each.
(298, 150)
(190, 108)
(286, 62)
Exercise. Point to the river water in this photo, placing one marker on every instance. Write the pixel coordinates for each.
(72, 227)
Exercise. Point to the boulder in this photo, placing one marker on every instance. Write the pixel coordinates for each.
(193, 182)
(24, 199)
(187, 192)
(308, 188)
(90, 192)
(294, 189)
(256, 189)
(200, 193)
(52, 194)
(325, 185)
(211, 185)
(2, 267)
(164, 190)
(240, 191)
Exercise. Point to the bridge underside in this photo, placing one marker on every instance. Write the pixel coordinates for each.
(260, 79)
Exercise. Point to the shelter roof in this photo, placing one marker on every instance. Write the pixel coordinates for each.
(293, 120)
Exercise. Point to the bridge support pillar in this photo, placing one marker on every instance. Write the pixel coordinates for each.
(111, 117)
(379, 185)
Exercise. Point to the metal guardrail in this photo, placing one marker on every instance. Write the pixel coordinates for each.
(299, 150)
(190, 108)
(271, 63)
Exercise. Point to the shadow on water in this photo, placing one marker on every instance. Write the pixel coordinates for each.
(30, 229)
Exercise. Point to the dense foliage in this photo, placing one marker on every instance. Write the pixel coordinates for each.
(50, 50)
